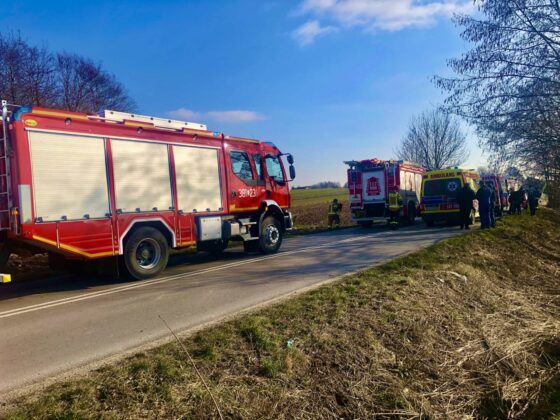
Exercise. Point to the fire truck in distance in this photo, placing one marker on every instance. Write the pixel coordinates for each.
(384, 189)
(501, 185)
(128, 188)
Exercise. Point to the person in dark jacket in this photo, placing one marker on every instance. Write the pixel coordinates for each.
(484, 197)
(533, 199)
(465, 198)
(492, 205)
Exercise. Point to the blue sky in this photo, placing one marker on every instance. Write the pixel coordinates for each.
(328, 80)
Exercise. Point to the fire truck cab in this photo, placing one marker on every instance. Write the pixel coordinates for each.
(384, 190)
(130, 187)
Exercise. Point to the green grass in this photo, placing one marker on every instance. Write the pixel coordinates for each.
(309, 197)
(408, 339)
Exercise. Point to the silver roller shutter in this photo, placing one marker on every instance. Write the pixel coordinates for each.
(141, 172)
(69, 176)
(198, 179)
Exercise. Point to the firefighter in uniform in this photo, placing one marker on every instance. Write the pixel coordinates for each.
(334, 213)
(394, 208)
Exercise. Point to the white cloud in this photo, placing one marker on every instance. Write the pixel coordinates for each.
(391, 15)
(234, 116)
(309, 31)
(184, 114)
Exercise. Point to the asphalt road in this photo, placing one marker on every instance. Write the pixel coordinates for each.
(52, 326)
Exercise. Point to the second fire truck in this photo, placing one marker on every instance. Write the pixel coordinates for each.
(384, 190)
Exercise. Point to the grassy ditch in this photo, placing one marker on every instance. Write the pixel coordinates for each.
(468, 327)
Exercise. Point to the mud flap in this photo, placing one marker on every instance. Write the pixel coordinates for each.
(109, 267)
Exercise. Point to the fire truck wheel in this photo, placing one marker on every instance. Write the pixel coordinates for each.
(146, 253)
(270, 239)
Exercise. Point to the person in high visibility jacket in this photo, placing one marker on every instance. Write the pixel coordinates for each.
(334, 213)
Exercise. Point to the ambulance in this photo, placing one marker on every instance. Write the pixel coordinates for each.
(439, 196)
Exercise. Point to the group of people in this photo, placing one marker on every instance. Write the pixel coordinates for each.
(486, 197)
(519, 197)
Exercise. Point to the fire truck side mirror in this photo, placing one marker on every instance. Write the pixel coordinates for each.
(290, 159)
(292, 172)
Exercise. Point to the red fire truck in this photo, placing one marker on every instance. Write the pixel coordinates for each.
(125, 187)
(384, 189)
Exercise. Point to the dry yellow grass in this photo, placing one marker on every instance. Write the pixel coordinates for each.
(469, 328)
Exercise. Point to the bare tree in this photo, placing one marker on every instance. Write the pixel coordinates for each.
(86, 87)
(35, 76)
(27, 74)
(508, 84)
(434, 139)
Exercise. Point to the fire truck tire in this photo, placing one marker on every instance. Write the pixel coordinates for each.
(146, 253)
(271, 235)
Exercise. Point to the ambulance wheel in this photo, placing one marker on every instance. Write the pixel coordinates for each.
(271, 235)
(146, 253)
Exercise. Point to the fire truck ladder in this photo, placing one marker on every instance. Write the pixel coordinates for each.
(5, 199)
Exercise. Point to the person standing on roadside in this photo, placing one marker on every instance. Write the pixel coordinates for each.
(334, 214)
(511, 198)
(492, 205)
(533, 201)
(516, 202)
(465, 197)
(522, 204)
(484, 196)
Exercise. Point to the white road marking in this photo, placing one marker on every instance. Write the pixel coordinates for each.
(145, 283)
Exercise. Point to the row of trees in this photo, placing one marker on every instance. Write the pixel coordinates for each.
(31, 75)
(508, 84)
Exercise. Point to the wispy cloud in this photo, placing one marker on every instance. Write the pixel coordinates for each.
(233, 116)
(374, 15)
(184, 114)
(309, 31)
